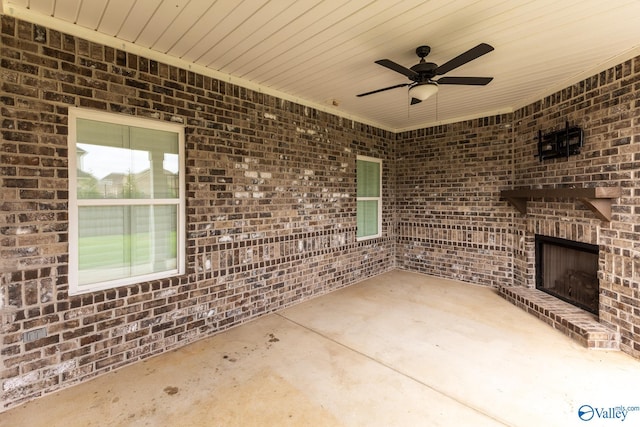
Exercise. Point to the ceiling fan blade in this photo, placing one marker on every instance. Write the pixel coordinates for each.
(463, 58)
(383, 89)
(397, 68)
(475, 81)
(415, 101)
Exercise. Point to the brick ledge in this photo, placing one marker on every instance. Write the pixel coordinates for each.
(578, 324)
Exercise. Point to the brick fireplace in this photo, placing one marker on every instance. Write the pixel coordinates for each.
(565, 203)
(568, 270)
(564, 290)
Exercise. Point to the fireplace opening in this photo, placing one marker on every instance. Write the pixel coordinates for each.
(568, 270)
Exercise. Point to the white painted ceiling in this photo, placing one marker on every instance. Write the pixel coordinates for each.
(321, 52)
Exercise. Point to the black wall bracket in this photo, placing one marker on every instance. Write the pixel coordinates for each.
(561, 143)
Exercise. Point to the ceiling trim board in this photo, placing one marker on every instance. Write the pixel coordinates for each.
(459, 119)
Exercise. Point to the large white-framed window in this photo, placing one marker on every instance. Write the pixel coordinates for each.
(369, 197)
(126, 200)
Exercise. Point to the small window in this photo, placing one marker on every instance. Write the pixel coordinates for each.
(369, 198)
(126, 200)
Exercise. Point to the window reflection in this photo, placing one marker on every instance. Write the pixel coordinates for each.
(123, 162)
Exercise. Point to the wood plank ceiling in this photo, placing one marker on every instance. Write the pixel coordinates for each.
(321, 52)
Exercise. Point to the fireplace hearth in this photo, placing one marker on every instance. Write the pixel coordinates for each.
(568, 270)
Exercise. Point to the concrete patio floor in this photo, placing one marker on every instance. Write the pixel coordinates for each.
(400, 349)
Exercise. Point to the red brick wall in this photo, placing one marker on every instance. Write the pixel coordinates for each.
(606, 106)
(451, 222)
(270, 209)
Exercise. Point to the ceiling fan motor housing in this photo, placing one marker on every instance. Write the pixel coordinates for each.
(426, 71)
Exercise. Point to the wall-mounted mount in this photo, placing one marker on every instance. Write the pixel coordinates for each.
(561, 143)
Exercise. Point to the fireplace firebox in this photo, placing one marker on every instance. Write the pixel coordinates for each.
(568, 270)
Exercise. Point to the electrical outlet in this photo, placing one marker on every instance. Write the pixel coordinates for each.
(36, 334)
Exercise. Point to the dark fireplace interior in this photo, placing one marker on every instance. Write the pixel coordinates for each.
(568, 270)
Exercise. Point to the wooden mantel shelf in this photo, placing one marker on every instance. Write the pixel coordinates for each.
(597, 199)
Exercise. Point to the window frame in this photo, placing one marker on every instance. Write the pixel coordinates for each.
(74, 203)
(378, 198)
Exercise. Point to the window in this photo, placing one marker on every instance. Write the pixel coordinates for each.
(126, 200)
(369, 197)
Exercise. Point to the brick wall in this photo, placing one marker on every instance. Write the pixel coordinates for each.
(607, 107)
(270, 209)
(451, 222)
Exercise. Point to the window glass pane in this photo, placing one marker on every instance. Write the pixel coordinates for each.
(158, 176)
(367, 218)
(116, 242)
(153, 244)
(125, 162)
(102, 252)
(368, 179)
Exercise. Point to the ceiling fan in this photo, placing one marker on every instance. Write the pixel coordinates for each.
(422, 74)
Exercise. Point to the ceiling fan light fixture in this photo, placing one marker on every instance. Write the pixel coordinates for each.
(423, 91)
